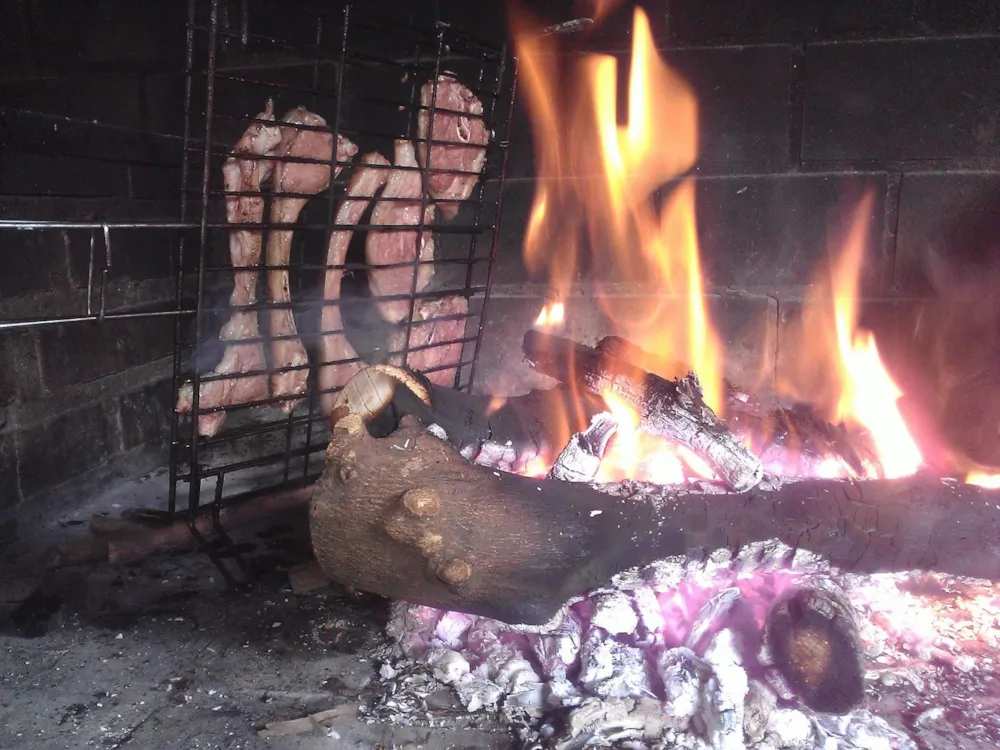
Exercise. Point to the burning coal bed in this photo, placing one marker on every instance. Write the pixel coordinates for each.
(716, 651)
(770, 647)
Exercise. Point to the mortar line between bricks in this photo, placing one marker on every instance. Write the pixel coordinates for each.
(796, 105)
(890, 230)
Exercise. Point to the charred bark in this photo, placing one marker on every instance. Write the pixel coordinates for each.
(408, 518)
(672, 409)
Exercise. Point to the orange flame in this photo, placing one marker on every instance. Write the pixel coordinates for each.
(551, 316)
(612, 217)
(982, 479)
(836, 366)
(635, 455)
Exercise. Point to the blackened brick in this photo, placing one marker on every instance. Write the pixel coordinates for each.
(949, 228)
(774, 231)
(37, 174)
(83, 352)
(146, 415)
(19, 373)
(109, 98)
(933, 99)
(10, 493)
(743, 104)
(56, 451)
(31, 262)
(951, 16)
(738, 21)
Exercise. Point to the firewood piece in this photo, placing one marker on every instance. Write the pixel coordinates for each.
(530, 544)
(672, 409)
(321, 721)
(78, 553)
(779, 433)
(178, 535)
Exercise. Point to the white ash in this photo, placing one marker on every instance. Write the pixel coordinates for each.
(580, 460)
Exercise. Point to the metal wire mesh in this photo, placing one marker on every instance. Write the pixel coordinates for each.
(363, 76)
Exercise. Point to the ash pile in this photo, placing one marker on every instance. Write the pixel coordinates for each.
(763, 650)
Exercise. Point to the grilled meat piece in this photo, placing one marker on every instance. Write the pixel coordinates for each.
(294, 184)
(438, 324)
(399, 205)
(242, 174)
(366, 180)
(468, 134)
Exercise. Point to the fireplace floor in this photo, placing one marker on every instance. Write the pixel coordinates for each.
(160, 654)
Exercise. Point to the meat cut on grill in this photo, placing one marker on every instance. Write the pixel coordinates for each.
(385, 249)
(242, 174)
(439, 325)
(335, 350)
(295, 182)
(457, 120)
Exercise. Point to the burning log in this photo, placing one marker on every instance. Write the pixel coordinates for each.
(777, 432)
(406, 517)
(673, 409)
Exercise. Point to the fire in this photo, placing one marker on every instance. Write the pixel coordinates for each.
(989, 481)
(551, 316)
(613, 217)
(634, 455)
(836, 366)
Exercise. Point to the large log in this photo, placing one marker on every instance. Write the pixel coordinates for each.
(406, 517)
(672, 409)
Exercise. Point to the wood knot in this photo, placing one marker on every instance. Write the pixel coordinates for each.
(346, 472)
(351, 424)
(422, 502)
(455, 572)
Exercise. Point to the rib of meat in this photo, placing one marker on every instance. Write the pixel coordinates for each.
(365, 182)
(242, 175)
(399, 205)
(469, 133)
(428, 329)
(302, 180)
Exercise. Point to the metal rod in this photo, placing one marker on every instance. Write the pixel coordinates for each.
(195, 492)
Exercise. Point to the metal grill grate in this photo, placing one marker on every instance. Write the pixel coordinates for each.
(363, 75)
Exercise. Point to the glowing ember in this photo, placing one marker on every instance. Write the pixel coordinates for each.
(552, 315)
(990, 481)
(635, 455)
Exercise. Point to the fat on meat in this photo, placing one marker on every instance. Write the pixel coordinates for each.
(294, 184)
(399, 205)
(242, 174)
(468, 134)
(366, 180)
(442, 337)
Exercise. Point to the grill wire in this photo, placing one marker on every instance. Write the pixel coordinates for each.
(363, 75)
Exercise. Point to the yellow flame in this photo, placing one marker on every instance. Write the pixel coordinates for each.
(989, 481)
(833, 364)
(596, 192)
(551, 316)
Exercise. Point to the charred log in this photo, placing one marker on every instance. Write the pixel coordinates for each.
(794, 437)
(406, 517)
(672, 409)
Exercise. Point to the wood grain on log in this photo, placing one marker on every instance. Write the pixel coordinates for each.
(673, 409)
(406, 517)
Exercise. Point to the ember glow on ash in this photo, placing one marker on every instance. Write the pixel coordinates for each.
(989, 481)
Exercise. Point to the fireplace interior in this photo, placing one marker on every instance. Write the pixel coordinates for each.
(625, 377)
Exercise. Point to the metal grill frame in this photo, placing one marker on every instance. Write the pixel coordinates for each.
(198, 474)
